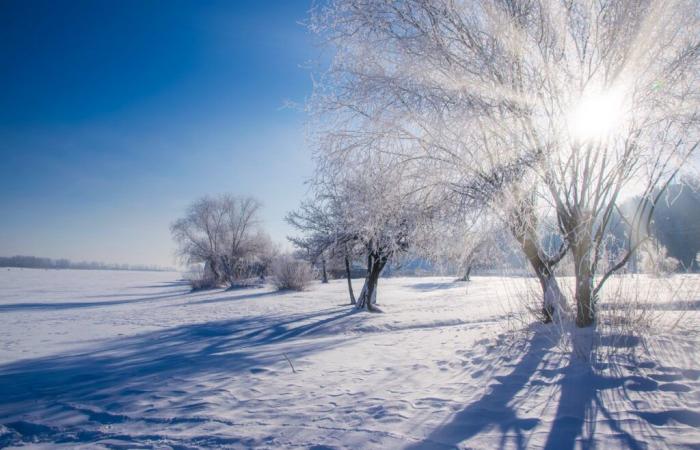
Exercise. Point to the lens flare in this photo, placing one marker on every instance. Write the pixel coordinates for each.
(596, 115)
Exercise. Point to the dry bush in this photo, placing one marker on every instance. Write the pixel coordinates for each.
(290, 273)
(630, 309)
(656, 261)
(643, 304)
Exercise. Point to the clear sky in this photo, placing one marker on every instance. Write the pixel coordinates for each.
(114, 115)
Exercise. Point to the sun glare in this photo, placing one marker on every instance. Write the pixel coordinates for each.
(595, 116)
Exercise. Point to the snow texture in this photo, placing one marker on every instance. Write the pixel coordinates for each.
(100, 359)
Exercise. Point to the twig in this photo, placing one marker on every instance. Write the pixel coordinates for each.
(290, 363)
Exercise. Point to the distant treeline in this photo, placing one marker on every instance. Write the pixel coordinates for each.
(33, 262)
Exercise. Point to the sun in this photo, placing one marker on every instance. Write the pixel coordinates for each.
(596, 115)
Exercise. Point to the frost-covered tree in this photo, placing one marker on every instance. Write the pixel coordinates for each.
(199, 235)
(243, 241)
(476, 246)
(375, 210)
(457, 239)
(320, 233)
(224, 233)
(529, 105)
(325, 232)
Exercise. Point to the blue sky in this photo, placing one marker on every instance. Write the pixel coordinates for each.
(117, 114)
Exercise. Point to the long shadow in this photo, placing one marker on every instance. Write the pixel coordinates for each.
(53, 306)
(98, 386)
(164, 284)
(241, 296)
(494, 409)
(32, 306)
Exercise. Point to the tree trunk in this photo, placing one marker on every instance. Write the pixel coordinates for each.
(552, 297)
(324, 274)
(553, 300)
(368, 296)
(228, 271)
(216, 270)
(349, 275)
(466, 274)
(585, 302)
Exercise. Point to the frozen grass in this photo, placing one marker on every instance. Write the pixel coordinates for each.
(110, 359)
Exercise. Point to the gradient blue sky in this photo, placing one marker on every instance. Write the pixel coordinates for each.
(114, 115)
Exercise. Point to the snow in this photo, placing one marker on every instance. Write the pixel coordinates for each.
(92, 359)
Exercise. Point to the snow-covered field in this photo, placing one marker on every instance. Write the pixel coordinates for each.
(134, 360)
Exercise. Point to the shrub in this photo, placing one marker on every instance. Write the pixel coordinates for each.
(290, 273)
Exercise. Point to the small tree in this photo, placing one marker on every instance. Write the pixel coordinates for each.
(459, 240)
(325, 232)
(320, 234)
(377, 206)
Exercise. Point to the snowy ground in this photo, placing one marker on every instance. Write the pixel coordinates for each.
(134, 360)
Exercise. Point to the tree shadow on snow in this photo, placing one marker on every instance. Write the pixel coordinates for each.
(242, 294)
(494, 409)
(52, 306)
(578, 405)
(86, 392)
(164, 284)
(581, 395)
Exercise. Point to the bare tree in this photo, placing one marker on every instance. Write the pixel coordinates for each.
(456, 239)
(527, 105)
(325, 231)
(199, 236)
(243, 239)
(475, 246)
(320, 234)
(224, 233)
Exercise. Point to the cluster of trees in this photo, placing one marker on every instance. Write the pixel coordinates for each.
(676, 223)
(34, 262)
(225, 234)
(545, 116)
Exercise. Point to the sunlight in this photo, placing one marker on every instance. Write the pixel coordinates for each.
(596, 115)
